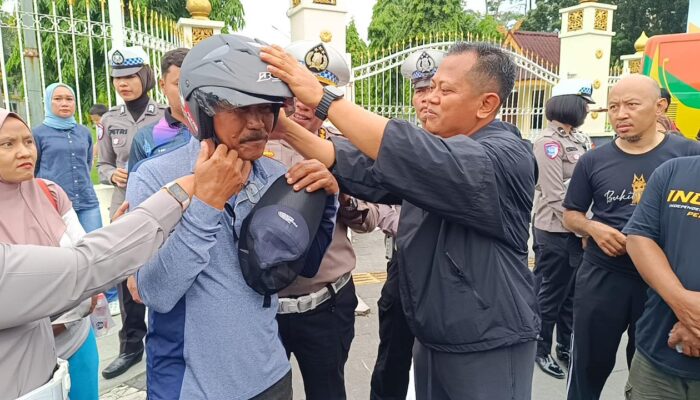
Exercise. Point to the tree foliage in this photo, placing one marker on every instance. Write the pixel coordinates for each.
(354, 44)
(230, 11)
(394, 21)
(631, 18)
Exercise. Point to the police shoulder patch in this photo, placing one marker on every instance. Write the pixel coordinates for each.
(100, 131)
(552, 149)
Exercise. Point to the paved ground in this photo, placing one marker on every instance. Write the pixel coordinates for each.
(370, 251)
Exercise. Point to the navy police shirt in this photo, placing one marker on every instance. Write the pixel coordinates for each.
(669, 214)
(612, 183)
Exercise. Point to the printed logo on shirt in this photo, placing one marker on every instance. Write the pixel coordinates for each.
(551, 150)
(100, 131)
(688, 201)
(638, 186)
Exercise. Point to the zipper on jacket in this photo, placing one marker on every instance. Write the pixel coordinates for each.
(457, 270)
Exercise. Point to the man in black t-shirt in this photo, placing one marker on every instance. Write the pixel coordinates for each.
(661, 233)
(611, 180)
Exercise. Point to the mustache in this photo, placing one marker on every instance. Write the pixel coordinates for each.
(254, 136)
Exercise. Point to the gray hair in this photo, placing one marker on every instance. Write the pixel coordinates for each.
(493, 67)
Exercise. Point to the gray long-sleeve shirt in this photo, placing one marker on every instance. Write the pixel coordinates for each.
(38, 281)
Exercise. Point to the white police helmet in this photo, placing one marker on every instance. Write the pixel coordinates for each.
(421, 65)
(325, 61)
(579, 87)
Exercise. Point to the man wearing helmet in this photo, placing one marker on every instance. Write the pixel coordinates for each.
(320, 332)
(202, 306)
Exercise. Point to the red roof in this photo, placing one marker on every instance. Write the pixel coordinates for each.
(543, 44)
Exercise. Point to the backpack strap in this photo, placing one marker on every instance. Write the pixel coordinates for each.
(45, 188)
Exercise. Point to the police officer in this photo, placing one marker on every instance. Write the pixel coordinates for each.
(316, 316)
(558, 252)
(391, 370)
(132, 78)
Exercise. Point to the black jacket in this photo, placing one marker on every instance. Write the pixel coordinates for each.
(462, 238)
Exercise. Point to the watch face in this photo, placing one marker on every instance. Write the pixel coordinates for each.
(179, 193)
(335, 91)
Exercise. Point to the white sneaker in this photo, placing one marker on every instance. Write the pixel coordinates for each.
(114, 308)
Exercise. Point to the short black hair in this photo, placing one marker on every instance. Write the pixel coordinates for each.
(665, 94)
(98, 109)
(568, 109)
(493, 66)
(172, 57)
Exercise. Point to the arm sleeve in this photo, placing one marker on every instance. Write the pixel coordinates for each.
(352, 174)
(74, 229)
(454, 178)
(646, 218)
(362, 219)
(551, 176)
(37, 281)
(91, 144)
(388, 220)
(165, 278)
(579, 196)
(323, 239)
(136, 153)
(37, 142)
(107, 161)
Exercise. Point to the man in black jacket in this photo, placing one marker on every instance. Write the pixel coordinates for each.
(466, 191)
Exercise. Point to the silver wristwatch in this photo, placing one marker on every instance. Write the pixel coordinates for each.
(175, 190)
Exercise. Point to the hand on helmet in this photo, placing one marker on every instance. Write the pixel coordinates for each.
(300, 80)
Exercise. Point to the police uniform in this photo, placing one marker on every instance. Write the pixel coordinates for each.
(558, 251)
(115, 134)
(390, 376)
(316, 316)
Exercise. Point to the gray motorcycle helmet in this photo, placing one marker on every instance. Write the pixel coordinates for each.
(226, 69)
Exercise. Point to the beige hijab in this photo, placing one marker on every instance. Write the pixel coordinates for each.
(27, 216)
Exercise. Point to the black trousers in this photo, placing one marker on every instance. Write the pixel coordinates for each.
(133, 322)
(606, 304)
(504, 373)
(320, 341)
(391, 370)
(557, 255)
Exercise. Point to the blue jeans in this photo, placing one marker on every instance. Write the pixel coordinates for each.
(91, 219)
(83, 369)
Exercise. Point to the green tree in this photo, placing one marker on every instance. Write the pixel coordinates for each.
(394, 21)
(630, 19)
(354, 44)
(225, 10)
(230, 11)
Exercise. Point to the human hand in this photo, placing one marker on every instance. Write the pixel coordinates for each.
(93, 303)
(133, 290)
(609, 239)
(312, 175)
(300, 80)
(119, 177)
(687, 310)
(120, 211)
(682, 336)
(220, 174)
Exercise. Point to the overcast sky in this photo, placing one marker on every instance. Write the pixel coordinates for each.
(268, 20)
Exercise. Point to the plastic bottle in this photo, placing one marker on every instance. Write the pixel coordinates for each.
(101, 318)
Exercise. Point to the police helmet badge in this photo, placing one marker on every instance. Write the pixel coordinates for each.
(316, 59)
(425, 64)
(117, 58)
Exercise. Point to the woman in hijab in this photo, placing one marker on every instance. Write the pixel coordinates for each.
(38, 212)
(65, 154)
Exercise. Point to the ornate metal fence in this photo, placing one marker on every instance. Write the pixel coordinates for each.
(46, 41)
(379, 86)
